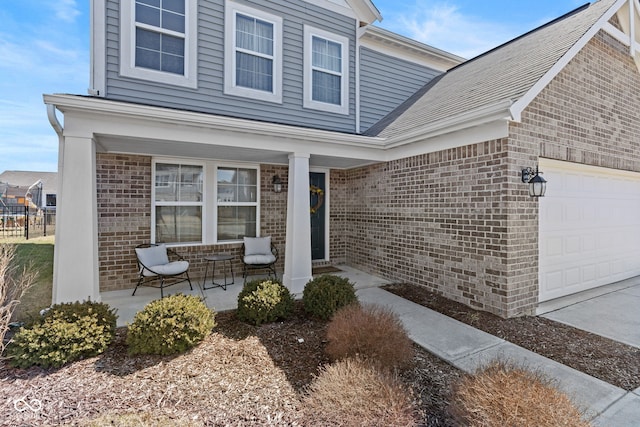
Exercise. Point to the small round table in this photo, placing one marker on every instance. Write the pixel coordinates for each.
(212, 259)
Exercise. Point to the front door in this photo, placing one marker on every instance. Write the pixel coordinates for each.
(317, 211)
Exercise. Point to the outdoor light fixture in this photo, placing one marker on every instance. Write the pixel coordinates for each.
(537, 184)
(277, 184)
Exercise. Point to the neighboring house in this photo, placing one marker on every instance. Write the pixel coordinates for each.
(198, 107)
(39, 188)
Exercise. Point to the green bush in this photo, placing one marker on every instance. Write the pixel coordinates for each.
(170, 325)
(264, 301)
(324, 295)
(67, 332)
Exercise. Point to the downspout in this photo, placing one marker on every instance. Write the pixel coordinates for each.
(359, 33)
(55, 124)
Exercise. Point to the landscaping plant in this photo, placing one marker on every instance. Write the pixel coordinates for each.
(371, 332)
(67, 332)
(324, 295)
(351, 392)
(502, 394)
(170, 325)
(13, 286)
(264, 301)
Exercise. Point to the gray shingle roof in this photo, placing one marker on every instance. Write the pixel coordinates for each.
(505, 73)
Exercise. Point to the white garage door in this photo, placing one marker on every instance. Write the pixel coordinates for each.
(589, 228)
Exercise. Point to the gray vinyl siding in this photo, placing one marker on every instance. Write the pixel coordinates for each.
(209, 96)
(385, 83)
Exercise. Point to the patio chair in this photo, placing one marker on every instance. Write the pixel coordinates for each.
(259, 254)
(154, 266)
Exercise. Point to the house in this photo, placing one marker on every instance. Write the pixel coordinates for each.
(39, 187)
(410, 158)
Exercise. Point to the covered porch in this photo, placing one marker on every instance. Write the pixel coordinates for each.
(217, 298)
(109, 153)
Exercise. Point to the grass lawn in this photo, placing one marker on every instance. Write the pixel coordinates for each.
(34, 254)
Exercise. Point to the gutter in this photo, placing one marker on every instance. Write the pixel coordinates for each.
(53, 119)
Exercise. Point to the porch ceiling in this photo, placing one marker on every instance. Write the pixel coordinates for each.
(212, 151)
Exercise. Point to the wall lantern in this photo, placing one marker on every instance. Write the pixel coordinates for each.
(537, 184)
(277, 184)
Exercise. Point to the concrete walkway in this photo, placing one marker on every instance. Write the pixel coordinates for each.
(468, 349)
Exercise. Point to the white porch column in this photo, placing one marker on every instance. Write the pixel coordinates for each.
(297, 261)
(75, 272)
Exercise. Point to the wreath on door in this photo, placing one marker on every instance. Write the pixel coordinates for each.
(319, 193)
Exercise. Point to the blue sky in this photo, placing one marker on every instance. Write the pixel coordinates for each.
(44, 48)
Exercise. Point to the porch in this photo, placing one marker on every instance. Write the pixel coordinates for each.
(215, 298)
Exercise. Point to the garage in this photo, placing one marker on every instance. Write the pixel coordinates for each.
(589, 229)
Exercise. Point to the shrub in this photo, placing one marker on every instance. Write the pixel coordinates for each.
(67, 332)
(371, 332)
(352, 392)
(264, 301)
(324, 295)
(506, 395)
(170, 325)
(13, 287)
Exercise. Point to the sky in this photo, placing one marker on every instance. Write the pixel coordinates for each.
(44, 49)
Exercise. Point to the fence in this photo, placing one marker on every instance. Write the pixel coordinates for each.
(22, 221)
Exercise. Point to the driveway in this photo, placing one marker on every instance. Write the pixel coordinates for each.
(612, 311)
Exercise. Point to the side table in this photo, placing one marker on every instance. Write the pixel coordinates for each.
(213, 259)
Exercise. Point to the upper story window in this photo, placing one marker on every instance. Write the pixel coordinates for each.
(253, 53)
(158, 41)
(326, 71)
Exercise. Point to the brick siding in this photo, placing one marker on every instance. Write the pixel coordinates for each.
(460, 221)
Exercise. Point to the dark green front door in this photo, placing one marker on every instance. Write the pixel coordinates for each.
(317, 210)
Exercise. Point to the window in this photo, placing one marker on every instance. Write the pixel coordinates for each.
(253, 53)
(237, 203)
(157, 41)
(326, 71)
(51, 200)
(178, 203)
(204, 203)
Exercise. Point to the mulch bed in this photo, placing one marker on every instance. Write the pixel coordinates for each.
(240, 375)
(603, 358)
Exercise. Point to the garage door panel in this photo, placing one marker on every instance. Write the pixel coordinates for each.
(589, 228)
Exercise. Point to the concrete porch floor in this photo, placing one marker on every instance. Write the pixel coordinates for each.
(216, 298)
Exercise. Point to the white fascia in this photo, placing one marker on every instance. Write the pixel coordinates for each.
(397, 46)
(106, 108)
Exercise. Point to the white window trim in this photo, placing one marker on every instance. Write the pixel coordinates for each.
(210, 198)
(128, 48)
(217, 204)
(202, 203)
(308, 102)
(230, 88)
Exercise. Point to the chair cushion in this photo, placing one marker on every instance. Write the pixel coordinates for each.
(154, 255)
(169, 269)
(257, 246)
(259, 259)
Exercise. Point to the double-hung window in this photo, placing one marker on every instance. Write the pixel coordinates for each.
(178, 203)
(158, 40)
(253, 53)
(237, 204)
(204, 202)
(326, 83)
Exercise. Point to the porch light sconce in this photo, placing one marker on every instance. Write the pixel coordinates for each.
(277, 184)
(537, 184)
